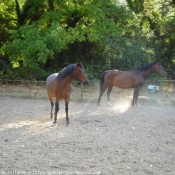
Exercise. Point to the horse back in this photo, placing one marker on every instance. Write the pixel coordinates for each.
(128, 79)
(109, 77)
(50, 80)
(52, 84)
(123, 79)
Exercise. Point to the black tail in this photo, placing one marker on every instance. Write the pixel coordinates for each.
(102, 81)
(101, 86)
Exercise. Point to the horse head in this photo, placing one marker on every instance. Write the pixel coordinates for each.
(79, 73)
(159, 69)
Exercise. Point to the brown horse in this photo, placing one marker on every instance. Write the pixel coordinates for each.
(134, 78)
(59, 86)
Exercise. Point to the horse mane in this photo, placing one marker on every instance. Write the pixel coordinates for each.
(66, 71)
(145, 67)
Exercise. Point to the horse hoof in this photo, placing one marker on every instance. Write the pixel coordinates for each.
(51, 116)
(109, 103)
(54, 125)
(54, 122)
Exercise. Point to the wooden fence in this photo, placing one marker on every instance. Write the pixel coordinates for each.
(33, 88)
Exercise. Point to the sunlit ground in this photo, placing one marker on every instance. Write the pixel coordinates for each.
(32, 128)
(17, 124)
(121, 107)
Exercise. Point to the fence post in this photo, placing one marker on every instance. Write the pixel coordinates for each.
(6, 86)
(81, 92)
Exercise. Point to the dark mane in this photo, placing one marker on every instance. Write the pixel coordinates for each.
(145, 67)
(66, 71)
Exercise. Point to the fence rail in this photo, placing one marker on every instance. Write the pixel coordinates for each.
(31, 90)
(28, 81)
(36, 89)
(25, 81)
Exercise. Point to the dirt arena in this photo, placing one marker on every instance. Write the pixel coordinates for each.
(99, 140)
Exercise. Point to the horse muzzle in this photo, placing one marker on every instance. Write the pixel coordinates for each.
(164, 75)
(86, 82)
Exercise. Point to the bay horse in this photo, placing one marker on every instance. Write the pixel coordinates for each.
(133, 78)
(59, 85)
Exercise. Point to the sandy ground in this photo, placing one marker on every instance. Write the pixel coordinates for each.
(99, 140)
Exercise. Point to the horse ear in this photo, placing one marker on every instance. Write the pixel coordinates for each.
(79, 64)
(159, 63)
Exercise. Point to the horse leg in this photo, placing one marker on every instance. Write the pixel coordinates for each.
(51, 113)
(66, 110)
(100, 95)
(56, 111)
(108, 95)
(99, 98)
(52, 104)
(135, 96)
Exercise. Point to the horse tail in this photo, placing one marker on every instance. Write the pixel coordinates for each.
(102, 89)
(102, 81)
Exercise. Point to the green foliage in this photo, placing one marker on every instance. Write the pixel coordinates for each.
(94, 70)
(79, 21)
(157, 24)
(123, 53)
(7, 19)
(136, 5)
(40, 35)
(23, 73)
(4, 66)
(32, 47)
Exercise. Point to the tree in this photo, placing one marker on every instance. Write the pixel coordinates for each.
(43, 35)
(157, 23)
(8, 20)
(51, 27)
